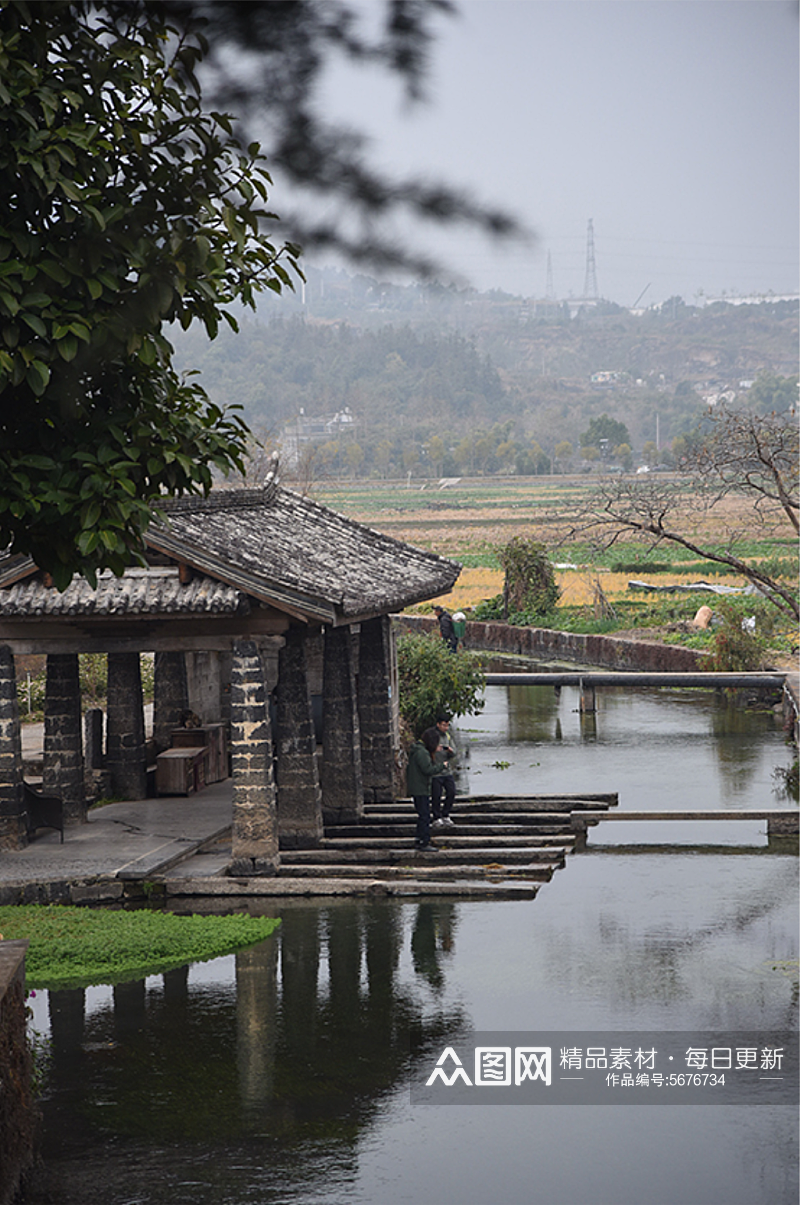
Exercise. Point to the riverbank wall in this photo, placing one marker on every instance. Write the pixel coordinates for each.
(17, 1113)
(544, 644)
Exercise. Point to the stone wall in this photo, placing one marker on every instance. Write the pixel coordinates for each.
(543, 644)
(17, 1114)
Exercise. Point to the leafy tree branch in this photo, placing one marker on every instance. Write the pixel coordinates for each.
(123, 207)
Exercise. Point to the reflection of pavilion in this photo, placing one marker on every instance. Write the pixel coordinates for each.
(315, 1032)
(253, 601)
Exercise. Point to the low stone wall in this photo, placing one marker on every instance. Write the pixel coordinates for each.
(543, 644)
(17, 1114)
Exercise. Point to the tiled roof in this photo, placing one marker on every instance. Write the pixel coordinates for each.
(139, 591)
(270, 544)
(276, 544)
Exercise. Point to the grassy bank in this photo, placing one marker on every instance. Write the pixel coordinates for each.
(78, 947)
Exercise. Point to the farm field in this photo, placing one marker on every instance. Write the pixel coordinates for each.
(470, 519)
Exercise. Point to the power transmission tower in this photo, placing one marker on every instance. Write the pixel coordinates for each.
(590, 282)
(549, 292)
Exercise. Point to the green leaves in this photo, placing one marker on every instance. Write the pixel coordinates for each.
(433, 680)
(126, 206)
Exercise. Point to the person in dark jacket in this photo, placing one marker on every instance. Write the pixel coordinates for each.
(421, 769)
(443, 783)
(446, 628)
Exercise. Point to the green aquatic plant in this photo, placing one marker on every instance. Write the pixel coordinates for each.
(77, 947)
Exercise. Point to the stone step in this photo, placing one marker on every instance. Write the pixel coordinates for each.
(481, 816)
(452, 839)
(324, 886)
(505, 803)
(405, 827)
(494, 855)
(426, 867)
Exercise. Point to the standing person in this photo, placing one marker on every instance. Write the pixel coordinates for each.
(446, 628)
(421, 769)
(443, 783)
(460, 628)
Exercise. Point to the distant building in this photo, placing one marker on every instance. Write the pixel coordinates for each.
(606, 378)
(749, 298)
(304, 430)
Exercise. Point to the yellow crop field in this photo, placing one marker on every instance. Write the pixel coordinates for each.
(578, 586)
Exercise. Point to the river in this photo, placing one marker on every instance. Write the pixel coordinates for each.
(283, 1074)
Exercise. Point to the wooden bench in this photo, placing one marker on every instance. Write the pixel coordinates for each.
(42, 811)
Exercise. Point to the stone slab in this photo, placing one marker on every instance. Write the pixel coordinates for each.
(278, 887)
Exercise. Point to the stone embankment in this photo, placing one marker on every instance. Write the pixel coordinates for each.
(600, 652)
(544, 644)
(17, 1112)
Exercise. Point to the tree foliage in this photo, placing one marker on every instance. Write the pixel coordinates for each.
(738, 453)
(434, 681)
(123, 207)
(605, 432)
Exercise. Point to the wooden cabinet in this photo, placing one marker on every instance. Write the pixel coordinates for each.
(211, 737)
(180, 771)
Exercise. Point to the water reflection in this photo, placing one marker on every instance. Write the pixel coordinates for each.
(272, 1075)
(278, 1076)
(661, 750)
(432, 940)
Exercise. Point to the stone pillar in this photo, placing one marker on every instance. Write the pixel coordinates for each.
(378, 712)
(342, 786)
(588, 700)
(13, 834)
(126, 758)
(255, 820)
(299, 794)
(170, 697)
(93, 739)
(63, 747)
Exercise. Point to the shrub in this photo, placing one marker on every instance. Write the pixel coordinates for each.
(530, 585)
(738, 648)
(434, 681)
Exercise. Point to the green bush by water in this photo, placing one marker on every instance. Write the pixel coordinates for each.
(77, 947)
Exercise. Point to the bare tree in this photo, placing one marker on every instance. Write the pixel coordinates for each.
(738, 457)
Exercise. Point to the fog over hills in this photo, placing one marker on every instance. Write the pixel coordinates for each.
(407, 363)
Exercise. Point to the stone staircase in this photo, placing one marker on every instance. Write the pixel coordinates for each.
(495, 838)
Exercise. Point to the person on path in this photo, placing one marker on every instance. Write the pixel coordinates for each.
(421, 769)
(446, 628)
(443, 784)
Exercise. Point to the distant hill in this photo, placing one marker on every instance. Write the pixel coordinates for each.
(414, 362)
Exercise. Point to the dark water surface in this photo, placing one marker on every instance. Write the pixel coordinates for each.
(281, 1074)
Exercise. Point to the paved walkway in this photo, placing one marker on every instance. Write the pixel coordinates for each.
(121, 841)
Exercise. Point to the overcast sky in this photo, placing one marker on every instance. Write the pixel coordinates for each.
(672, 124)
